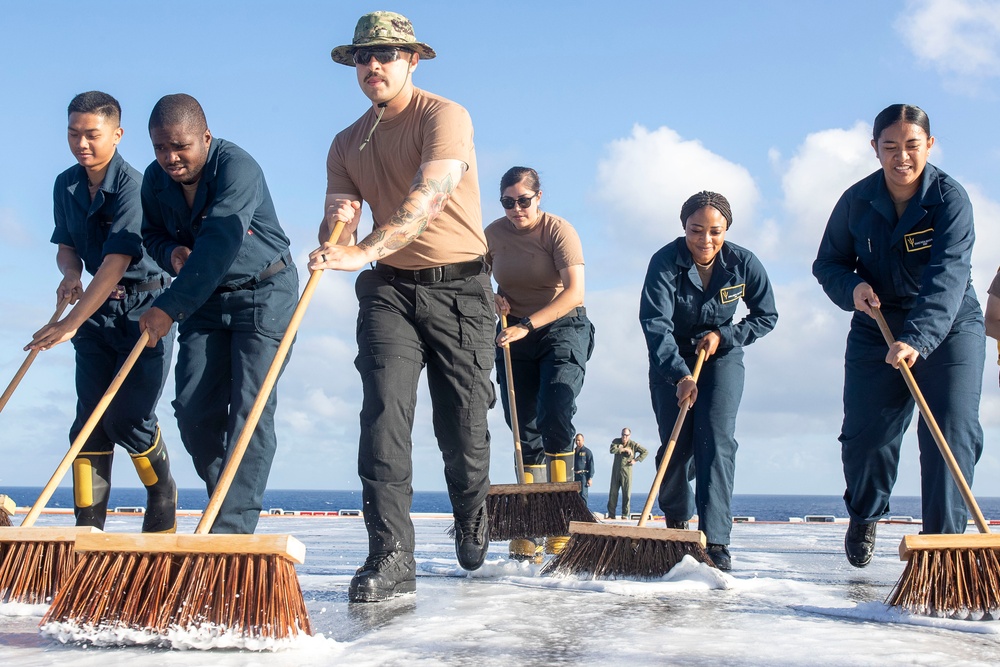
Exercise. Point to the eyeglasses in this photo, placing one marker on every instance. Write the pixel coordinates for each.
(383, 54)
(523, 202)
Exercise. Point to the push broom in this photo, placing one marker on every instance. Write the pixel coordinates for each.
(244, 585)
(30, 358)
(946, 574)
(34, 562)
(7, 508)
(613, 551)
(7, 505)
(527, 511)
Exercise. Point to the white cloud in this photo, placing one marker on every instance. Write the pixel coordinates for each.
(824, 165)
(646, 177)
(792, 403)
(958, 37)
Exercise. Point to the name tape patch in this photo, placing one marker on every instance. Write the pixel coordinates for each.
(916, 241)
(730, 294)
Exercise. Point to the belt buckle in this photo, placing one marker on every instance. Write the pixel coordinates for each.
(434, 274)
(117, 293)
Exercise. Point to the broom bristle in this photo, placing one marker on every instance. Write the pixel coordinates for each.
(612, 557)
(5, 519)
(950, 582)
(530, 514)
(32, 572)
(250, 595)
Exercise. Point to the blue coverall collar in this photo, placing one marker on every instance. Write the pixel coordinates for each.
(723, 262)
(929, 194)
(78, 187)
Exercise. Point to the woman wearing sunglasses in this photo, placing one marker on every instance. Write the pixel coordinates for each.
(692, 289)
(537, 263)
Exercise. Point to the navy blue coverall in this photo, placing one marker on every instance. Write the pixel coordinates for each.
(549, 365)
(583, 470)
(233, 300)
(676, 311)
(111, 224)
(920, 268)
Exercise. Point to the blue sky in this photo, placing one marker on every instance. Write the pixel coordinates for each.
(624, 108)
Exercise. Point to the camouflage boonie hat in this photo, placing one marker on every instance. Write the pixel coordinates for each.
(381, 29)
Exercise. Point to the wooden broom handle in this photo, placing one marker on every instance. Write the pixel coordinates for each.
(932, 424)
(88, 428)
(240, 448)
(31, 357)
(518, 460)
(665, 461)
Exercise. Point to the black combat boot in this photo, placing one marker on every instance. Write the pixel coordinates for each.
(677, 524)
(859, 542)
(471, 538)
(92, 487)
(153, 467)
(719, 553)
(383, 576)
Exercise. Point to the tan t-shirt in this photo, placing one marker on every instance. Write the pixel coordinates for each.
(430, 128)
(995, 285)
(526, 263)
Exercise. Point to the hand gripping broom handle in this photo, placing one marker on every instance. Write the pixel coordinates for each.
(665, 461)
(240, 448)
(31, 357)
(518, 460)
(88, 428)
(932, 424)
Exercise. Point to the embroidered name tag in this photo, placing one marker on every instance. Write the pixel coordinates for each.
(919, 240)
(730, 294)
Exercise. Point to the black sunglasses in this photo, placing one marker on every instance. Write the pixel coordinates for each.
(523, 202)
(383, 54)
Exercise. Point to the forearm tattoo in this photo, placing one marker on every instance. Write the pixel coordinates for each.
(425, 202)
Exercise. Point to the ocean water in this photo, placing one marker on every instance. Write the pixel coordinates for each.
(761, 507)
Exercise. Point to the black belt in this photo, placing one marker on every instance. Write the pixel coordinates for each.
(253, 282)
(435, 274)
(579, 311)
(119, 292)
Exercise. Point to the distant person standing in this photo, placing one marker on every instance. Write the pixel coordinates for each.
(98, 221)
(627, 453)
(428, 301)
(209, 220)
(901, 240)
(584, 467)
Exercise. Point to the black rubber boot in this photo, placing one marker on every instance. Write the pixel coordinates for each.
(153, 467)
(92, 487)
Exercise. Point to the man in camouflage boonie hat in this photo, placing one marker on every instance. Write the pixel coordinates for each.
(427, 302)
(381, 29)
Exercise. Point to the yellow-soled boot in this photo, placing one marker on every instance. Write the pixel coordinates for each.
(560, 470)
(522, 549)
(153, 466)
(92, 487)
